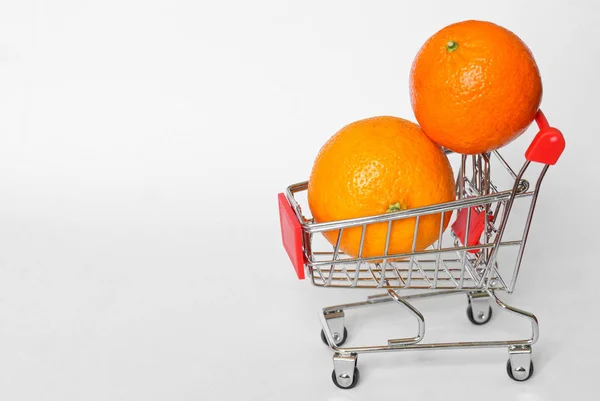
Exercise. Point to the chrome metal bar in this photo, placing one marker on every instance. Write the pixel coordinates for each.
(336, 251)
(449, 274)
(387, 238)
(386, 249)
(535, 329)
(538, 184)
(414, 244)
(506, 215)
(422, 272)
(461, 178)
(464, 257)
(360, 250)
(428, 294)
(432, 209)
(467, 286)
(505, 164)
(480, 176)
(497, 277)
(402, 261)
(289, 194)
(487, 210)
(373, 275)
(385, 297)
(311, 259)
(475, 176)
(420, 320)
(393, 264)
(438, 247)
(486, 173)
(405, 269)
(362, 240)
(416, 253)
(430, 346)
(497, 211)
(369, 279)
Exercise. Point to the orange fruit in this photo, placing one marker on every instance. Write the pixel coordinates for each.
(378, 165)
(474, 87)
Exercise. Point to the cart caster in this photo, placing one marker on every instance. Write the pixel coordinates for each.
(336, 336)
(481, 318)
(479, 310)
(519, 365)
(345, 373)
(520, 372)
(335, 323)
(338, 382)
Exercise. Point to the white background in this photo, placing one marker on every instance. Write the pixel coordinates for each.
(142, 146)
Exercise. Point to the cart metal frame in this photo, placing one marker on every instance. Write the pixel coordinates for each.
(464, 260)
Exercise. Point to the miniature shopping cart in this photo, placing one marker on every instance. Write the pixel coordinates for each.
(478, 255)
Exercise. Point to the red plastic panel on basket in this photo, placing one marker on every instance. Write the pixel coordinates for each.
(476, 227)
(291, 234)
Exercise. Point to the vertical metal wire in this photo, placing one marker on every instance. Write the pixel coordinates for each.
(360, 250)
(401, 282)
(385, 251)
(464, 257)
(475, 176)
(506, 214)
(412, 257)
(496, 213)
(311, 257)
(336, 251)
(538, 184)
(486, 191)
(438, 253)
(461, 177)
(479, 175)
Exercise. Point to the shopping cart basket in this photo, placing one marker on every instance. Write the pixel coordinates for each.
(470, 257)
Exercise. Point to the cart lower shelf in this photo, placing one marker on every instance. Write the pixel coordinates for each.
(345, 373)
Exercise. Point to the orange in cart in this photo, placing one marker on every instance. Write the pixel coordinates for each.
(375, 166)
(474, 87)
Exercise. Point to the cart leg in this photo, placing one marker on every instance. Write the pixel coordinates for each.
(345, 372)
(519, 366)
(334, 333)
(535, 328)
(479, 310)
(335, 322)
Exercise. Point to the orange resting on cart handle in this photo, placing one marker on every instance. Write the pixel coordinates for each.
(546, 148)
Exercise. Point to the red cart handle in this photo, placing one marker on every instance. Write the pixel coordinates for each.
(548, 144)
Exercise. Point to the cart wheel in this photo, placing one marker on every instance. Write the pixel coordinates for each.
(338, 343)
(351, 385)
(479, 320)
(509, 370)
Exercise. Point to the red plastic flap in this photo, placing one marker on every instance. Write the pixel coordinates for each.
(476, 227)
(548, 144)
(291, 234)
